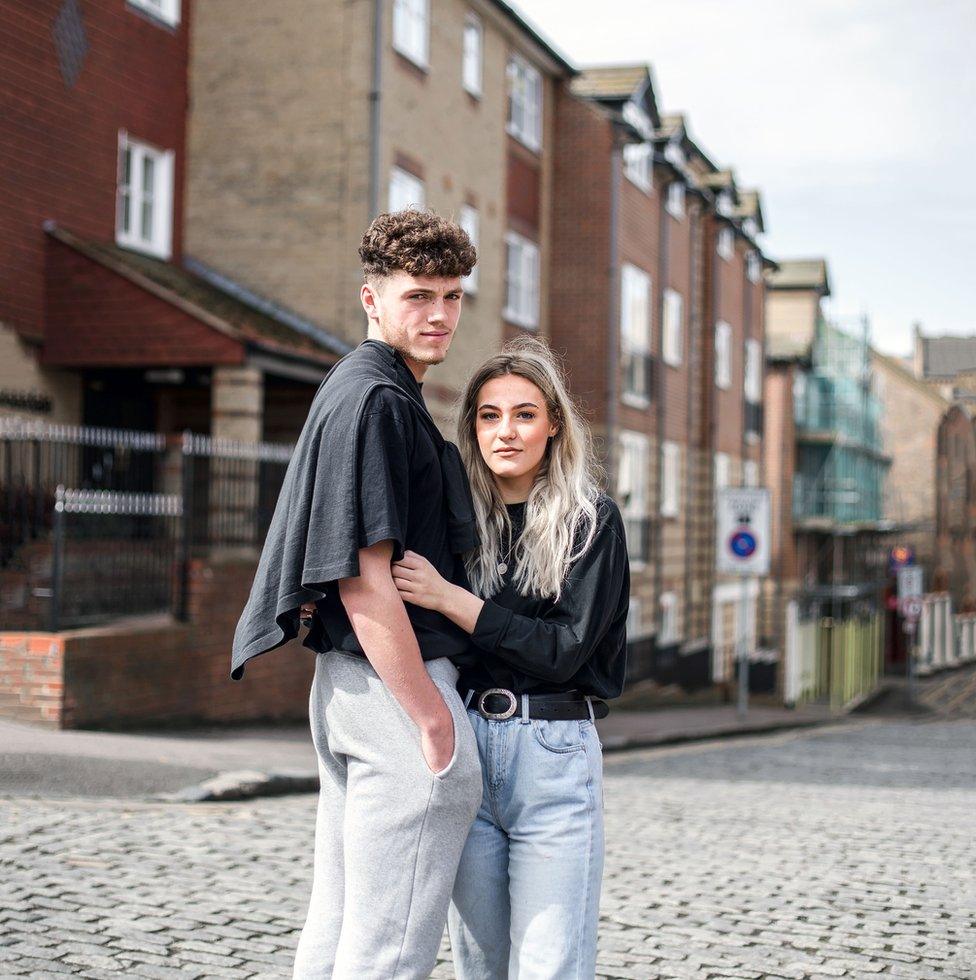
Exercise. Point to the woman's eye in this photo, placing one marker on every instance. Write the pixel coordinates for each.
(489, 417)
(528, 416)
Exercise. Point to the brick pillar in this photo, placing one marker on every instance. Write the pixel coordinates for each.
(237, 412)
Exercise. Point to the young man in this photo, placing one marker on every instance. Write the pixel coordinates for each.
(372, 477)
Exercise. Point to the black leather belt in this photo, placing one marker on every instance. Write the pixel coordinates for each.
(499, 704)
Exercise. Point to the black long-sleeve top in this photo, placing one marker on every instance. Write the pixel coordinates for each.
(531, 645)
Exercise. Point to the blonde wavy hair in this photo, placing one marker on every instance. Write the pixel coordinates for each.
(561, 510)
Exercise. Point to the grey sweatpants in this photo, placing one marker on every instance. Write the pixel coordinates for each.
(389, 832)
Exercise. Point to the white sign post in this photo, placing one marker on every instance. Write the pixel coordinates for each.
(742, 548)
(910, 605)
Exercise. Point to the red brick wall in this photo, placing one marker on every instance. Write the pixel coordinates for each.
(31, 668)
(59, 153)
(730, 306)
(580, 282)
(153, 670)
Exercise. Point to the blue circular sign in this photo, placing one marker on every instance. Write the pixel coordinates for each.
(743, 544)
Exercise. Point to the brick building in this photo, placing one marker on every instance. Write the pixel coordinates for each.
(955, 570)
(654, 255)
(308, 119)
(825, 461)
(99, 320)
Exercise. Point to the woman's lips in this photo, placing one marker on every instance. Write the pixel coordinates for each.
(507, 452)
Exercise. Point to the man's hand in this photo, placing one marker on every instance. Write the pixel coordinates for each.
(437, 744)
(306, 612)
(419, 583)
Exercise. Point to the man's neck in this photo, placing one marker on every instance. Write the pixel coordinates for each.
(417, 368)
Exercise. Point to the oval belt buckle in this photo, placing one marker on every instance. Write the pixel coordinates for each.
(497, 715)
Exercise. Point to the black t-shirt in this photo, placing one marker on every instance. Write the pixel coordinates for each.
(394, 492)
(531, 645)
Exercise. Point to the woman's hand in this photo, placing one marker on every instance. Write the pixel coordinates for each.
(418, 582)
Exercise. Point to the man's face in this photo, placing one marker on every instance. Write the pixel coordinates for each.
(417, 315)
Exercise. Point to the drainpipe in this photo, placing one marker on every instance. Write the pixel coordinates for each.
(694, 362)
(613, 333)
(664, 238)
(375, 92)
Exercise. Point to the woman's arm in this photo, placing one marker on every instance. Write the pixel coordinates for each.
(420, 583)
(550, 647)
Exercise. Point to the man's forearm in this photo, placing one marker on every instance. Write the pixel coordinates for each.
(381, 625)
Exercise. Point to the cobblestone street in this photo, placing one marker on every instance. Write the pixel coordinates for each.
(843, 852)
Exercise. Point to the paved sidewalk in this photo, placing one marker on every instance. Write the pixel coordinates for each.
(246, 761)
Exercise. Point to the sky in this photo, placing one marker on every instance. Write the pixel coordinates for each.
(856, 119)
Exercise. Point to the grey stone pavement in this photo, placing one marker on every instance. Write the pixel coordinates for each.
(846, 851)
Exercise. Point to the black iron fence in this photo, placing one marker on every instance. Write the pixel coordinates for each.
(135, 507)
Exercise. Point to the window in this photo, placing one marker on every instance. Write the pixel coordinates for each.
(673, 333)
(522, 281)
(724, 203)
(723, 471)
(632, 493)
(676, 199)
(468, 220)
(144, 210)
(410, 33)
(635, 334)
(726, 243)
(754, 267)
(524, 102)
(406, 191)
(635, 619)
(750, 473)
(753, 378)
(168, 11)
(723, 354)
(638, 164)
(670, 478)
(471, 59)
(750, 227)
(669, 619)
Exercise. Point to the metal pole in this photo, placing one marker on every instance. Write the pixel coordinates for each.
(57, 569)
(743, 706)
(911, 665)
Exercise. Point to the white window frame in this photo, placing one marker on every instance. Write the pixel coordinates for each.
(669, 618)
(754, 267)
(670, 479)
(411, 30)
(750, 473)
(470, 221)
(524, 102)
(724, 203)
(406, 190)
(723, 354)
(672, 333)
(722, 465)
(472, 55)
(726, 243)
(639, 165)
(635, 618)
(522, 273)
(167, 11)
(675, 201)
(752, 379)
(159, 241)
(632, 477)
(635, 321)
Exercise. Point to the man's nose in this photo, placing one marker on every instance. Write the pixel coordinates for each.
(437, 311)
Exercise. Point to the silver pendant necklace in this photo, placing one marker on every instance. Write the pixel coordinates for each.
(503, 564)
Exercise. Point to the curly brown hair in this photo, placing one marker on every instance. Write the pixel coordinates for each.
(417, 242)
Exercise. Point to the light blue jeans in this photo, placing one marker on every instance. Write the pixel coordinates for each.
(526, 899)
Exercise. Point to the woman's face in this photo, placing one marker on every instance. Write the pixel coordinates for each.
(513, 428)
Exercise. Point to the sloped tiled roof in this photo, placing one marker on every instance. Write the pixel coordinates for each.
(800, 274)
(671, 124)
(609, 82)
(750, 206)
(945, 357)
(237, 319)
(720, 179)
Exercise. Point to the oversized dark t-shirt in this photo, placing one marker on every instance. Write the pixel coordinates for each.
(399, 492)
(368, 466)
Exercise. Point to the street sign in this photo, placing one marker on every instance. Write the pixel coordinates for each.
(911, 608)
(742, 531)
(909, 582)
(899, 556)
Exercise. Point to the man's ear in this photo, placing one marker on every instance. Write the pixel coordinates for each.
(369, 296)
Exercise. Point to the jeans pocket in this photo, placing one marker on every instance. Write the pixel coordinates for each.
(558, 736)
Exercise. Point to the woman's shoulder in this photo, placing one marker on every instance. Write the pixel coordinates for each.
(608, 517)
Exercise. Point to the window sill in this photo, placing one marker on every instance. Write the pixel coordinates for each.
(420, 68)
(156, 17)
(515, 320)
(635, 401)
(144, 248)
(647, 189)
(522, 140)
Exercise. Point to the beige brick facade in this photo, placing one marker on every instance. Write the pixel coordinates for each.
(25, 386)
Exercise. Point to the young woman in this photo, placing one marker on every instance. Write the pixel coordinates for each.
(546, 617)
